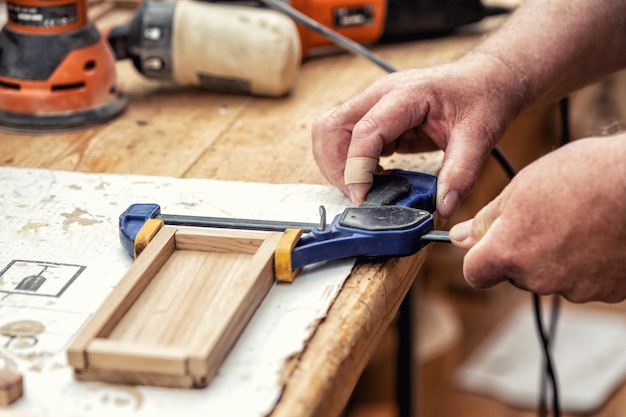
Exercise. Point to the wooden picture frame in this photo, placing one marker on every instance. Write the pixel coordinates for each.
(177, 312)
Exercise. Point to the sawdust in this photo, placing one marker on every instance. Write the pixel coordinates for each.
(103, 185)
(36, 356)
(119, 395)
(48, 199)
(33, 226)
(77, 217)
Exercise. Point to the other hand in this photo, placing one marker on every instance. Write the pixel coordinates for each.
(557, 228)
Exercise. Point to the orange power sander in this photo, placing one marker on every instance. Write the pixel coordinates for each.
(56, 70)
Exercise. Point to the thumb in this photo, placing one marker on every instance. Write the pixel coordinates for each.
(466, 234)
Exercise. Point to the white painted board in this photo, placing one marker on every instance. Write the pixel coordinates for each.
(60, 257)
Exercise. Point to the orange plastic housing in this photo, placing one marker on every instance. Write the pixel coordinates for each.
(359, 20)
(46, 16)
(85, 79)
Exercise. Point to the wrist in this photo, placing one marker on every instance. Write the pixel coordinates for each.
(502, 81)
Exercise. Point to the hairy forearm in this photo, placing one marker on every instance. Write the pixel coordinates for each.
(553, 47)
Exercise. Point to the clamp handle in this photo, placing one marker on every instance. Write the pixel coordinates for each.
(391, 222)
(365, 231)
(422, 191)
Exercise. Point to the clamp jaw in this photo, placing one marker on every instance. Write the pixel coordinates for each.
(131, 223)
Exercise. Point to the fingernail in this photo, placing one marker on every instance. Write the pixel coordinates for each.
(352, 195)
(357, 196)
(450, 202)
(461, 231)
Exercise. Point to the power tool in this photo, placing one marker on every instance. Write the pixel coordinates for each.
(376, 21)
(244, 47)
(229, 48)
(56, 71)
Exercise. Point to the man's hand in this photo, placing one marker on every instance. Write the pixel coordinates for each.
(543, 51)
(462, 108)
(558, 228)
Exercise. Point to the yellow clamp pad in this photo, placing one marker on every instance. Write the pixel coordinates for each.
(146, 234)
(282, 255)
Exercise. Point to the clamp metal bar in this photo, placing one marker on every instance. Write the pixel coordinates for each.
(234, 223)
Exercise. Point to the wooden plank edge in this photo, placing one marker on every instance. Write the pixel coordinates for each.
(219, 240)
(123, 295)
(321, 382)
(136, 378)
(122, 356)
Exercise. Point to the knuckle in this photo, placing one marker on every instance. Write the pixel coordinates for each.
(365, 127)
(327, 122)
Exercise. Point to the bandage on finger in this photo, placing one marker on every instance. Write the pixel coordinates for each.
(360, 170)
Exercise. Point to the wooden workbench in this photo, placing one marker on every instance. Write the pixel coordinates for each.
(191, 133)
(186, 132)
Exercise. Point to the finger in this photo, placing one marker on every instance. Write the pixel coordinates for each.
(389, 118)
(330, 141)
(381, 125)
(460, 233)
(359, 176)
(484, 265)
(462, 160)
(332, 134)
(466, 234)
(358, 192)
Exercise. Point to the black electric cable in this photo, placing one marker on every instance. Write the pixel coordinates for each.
(543, 387)
(354, 47)
(564, 118)
(547, 367)
(546, 337)
(556, 300)
(499, 156)
(337, 38)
